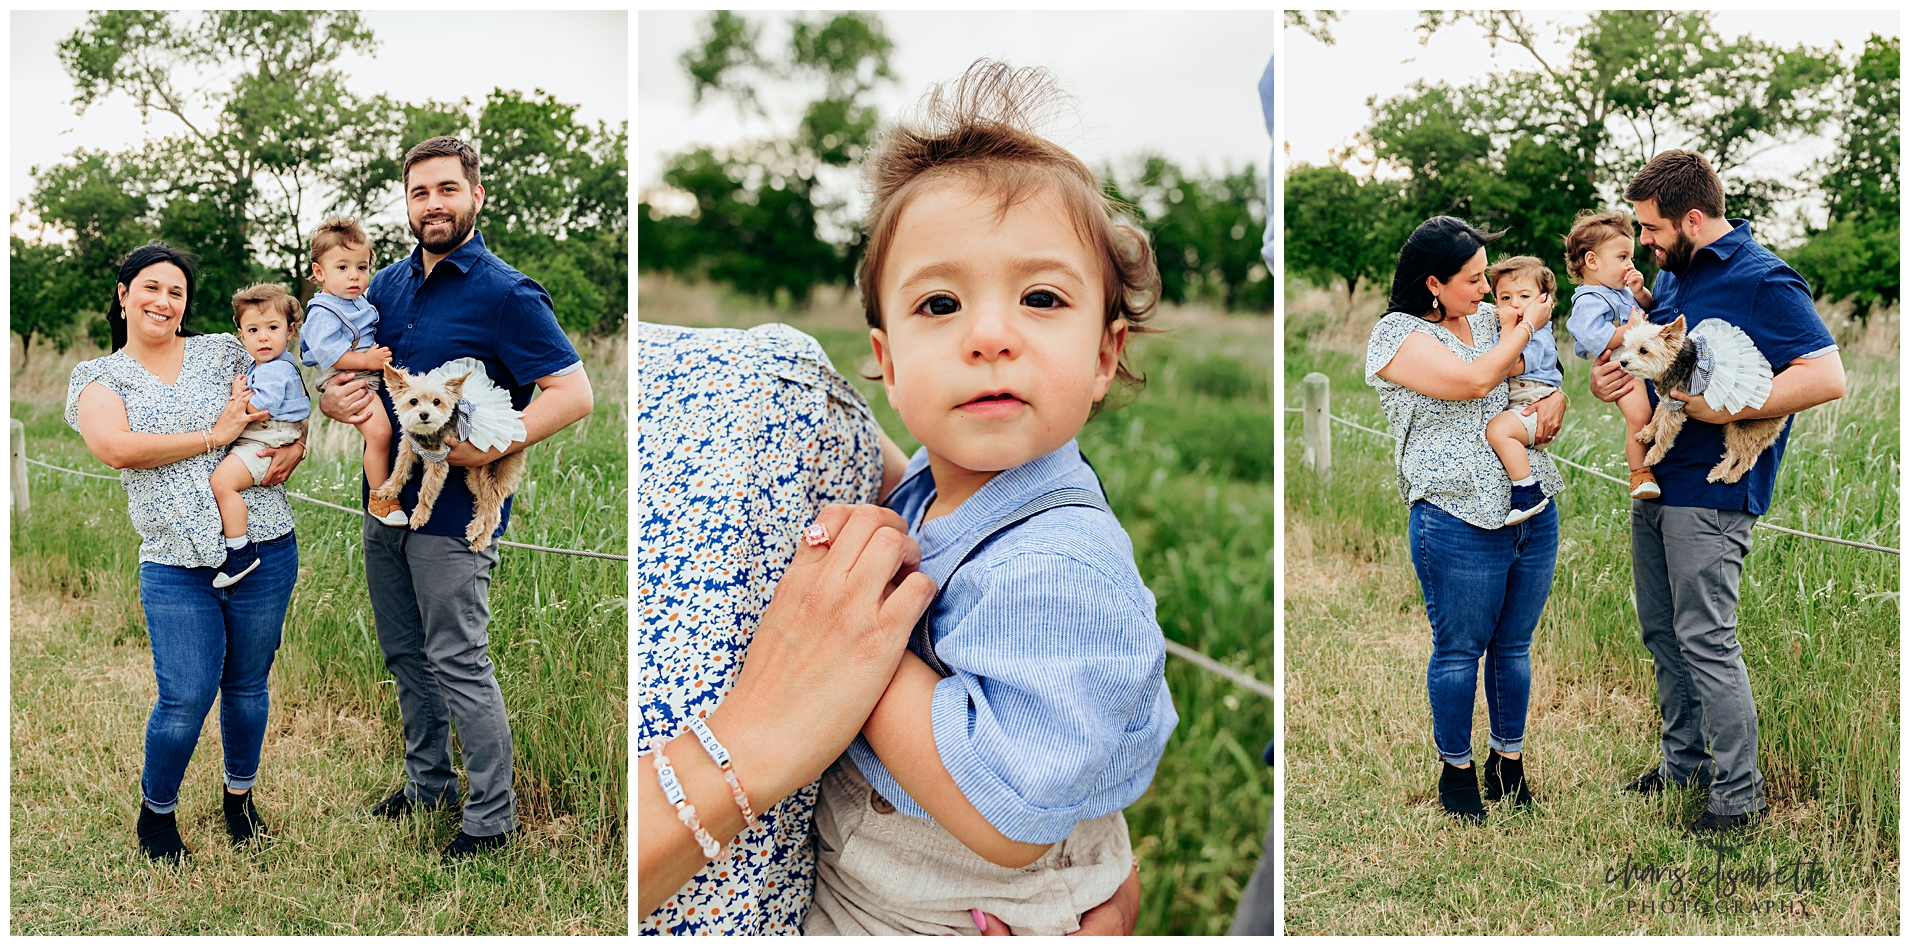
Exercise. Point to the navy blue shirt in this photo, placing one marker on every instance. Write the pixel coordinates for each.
(1735, 279)
(472, 305)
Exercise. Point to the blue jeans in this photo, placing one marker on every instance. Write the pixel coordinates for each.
(1484, 591)
(211, 642)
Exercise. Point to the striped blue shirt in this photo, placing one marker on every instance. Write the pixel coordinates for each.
(1057, 711)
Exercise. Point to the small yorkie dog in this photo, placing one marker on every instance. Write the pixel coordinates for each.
(428, 415)
(1715, 361)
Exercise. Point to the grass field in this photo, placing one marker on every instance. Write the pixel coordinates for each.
(1188, 467)
(1367, 848)
(82, 686)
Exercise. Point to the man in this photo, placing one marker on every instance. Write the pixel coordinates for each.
(429, 593)
(1688, 547)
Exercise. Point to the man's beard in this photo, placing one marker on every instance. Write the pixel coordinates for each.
(1677, 256)
(461, 225)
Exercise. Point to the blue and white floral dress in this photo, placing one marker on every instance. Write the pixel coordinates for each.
(1439, 447)
(172, 506)
(742, 437)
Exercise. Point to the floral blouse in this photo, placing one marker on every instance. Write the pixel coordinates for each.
(172, 505)
(1439, 447)
(742, 437)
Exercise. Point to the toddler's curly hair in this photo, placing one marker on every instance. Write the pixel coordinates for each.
(981, 130)
(1529, 266)
(269, 296)
(1590, 229)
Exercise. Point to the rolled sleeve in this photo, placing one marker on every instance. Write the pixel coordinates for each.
(1788, 326)
(530, 343)
(324, 337)
(1054, 712)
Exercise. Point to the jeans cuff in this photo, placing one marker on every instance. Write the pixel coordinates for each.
(164, 809)
(238, 784)
(1504, 746)
(483, 829)
(1458, 759)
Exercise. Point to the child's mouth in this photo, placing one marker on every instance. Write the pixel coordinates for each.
(998, 404)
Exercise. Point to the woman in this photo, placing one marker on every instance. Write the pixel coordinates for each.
(161, 408)
(745, 438)
(1440, 361)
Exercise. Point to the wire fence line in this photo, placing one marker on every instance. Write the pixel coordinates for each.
(1198, 659)
(1761, 524)
(319, 502)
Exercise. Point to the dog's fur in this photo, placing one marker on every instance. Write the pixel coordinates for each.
(427, 411)
(1663, 355)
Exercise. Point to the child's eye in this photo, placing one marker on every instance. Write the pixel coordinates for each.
(1040, 299)
(942, 305)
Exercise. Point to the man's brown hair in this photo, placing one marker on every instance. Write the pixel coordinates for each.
(981, 132)
(336, 232)
(1680, 181)
(443, 146)
(267, 295)
(1529, 266)
(1590, 230)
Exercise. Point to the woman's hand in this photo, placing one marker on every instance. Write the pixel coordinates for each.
(1539, 313)
(821, 657)
(1551, 411)
(238, 413)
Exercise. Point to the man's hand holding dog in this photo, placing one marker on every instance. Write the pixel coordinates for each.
(1609, 381)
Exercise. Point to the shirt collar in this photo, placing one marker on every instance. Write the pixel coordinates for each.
(1008, 491)
(1724, 246)
(462, 257)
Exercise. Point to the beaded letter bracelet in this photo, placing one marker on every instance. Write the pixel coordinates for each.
(721, 757)
(685, 812)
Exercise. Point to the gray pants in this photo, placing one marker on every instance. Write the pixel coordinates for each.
(430, 595)
(1259, 908)
(1686, 562)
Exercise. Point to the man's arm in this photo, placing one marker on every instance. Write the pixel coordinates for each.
(902, 733)
(1807, 383)
(562, 400)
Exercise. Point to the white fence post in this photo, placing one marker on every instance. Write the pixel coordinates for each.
(21, 501)
(1317, 427)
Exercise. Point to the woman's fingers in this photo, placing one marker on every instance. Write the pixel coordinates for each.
(831, 518)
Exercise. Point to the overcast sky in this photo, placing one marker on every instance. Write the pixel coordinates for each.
(1378, 53)
(582, 58)
(1180, 84)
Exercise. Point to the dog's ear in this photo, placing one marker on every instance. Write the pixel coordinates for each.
(455, 386)
(1676, 330)
(395, 381)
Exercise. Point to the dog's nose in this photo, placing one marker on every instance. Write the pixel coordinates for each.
(1623, 363)
(424, 417)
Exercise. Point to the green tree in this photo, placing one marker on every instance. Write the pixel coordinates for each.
(1205, 231)
(759, 207)
(1339, 228)
(1858, 253)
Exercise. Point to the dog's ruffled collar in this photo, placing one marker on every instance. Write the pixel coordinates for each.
(430, 456)
(1700, 372)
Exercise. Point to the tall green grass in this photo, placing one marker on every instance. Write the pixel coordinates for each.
(1819, 623)
(1187, 464)
(558, 631)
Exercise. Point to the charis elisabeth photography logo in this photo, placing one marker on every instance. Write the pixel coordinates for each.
(1716, 883)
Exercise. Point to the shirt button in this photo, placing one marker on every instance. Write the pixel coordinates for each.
(880, 804)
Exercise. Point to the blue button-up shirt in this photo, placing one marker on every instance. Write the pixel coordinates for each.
(1057, 711)
(277, 387)
(472, 305)
(1541, 355)
(1735, 279)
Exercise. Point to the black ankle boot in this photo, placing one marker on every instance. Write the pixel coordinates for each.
(242, 820)
(159, 836)
(1459, 793)
(1506, 777)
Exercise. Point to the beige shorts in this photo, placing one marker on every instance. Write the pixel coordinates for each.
(880, 872)
(373, 379)
(262, 433)
(1524, 394)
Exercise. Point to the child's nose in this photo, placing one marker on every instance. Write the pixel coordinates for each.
(991, 335)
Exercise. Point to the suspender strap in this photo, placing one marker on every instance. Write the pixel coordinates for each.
(922, 641)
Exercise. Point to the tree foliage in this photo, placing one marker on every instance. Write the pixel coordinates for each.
(1340, 228)
(272, 141)
(1859, 252)
(759, 206)
(1205, 230)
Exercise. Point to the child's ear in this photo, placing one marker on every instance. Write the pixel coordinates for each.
(1108, 364)
(885, 360)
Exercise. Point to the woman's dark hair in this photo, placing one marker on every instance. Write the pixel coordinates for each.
(129, 270)
(1439, 247)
